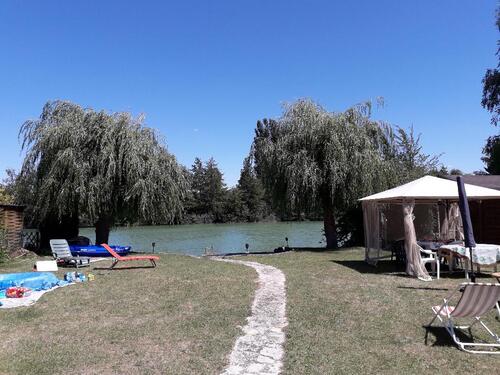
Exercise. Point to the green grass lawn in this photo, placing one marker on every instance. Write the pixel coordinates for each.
(179, 318)
(346, 317)
(183, 317)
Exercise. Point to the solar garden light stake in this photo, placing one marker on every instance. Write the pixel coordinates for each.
(246, 247)
(153, 245)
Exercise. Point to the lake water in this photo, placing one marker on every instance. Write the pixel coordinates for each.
(224, 238)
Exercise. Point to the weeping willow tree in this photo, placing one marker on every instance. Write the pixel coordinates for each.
(310, 157)
(107, 167)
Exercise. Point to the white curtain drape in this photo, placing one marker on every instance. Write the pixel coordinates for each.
(414, 265)
(456, 228)
(372, 231)
(451, 227)
(444, 234)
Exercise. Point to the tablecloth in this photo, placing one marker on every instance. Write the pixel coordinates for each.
(483, 254)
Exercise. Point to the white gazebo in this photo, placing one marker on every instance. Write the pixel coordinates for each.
(426, 208)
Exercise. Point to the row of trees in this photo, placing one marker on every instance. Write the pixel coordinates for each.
(110, 169)
(210, 201)
(491, 102)
(84, 166)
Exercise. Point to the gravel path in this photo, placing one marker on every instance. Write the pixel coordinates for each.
(260, 349)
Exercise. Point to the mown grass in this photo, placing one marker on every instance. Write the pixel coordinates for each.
(346, 317)
(179, 318)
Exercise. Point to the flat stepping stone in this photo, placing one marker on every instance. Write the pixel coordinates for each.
(260, 349)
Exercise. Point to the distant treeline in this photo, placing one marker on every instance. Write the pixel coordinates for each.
(209, 200)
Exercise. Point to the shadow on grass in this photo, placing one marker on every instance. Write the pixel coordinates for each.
(442, 337)
(314, 249)
(421, 288)
(391, 268)
(382, 268)
(322, 249)
(121, 268)
(454, 275)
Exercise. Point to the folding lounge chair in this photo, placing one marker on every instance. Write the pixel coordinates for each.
(477, 299)
(496, 275)
(118, 258)
(61, 252)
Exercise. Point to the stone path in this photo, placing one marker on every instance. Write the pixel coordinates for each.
(260, 349)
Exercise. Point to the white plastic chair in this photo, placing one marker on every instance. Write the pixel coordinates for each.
(431, 257)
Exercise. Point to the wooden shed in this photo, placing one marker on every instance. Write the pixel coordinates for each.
(485, 214)
(12, 223)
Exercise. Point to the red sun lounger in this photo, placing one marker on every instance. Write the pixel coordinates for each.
(118, 258)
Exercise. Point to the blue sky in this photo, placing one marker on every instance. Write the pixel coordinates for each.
(203, 72)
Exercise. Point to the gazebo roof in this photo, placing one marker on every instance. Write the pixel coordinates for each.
(432, 188)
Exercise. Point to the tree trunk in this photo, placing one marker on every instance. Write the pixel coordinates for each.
(54, 228)
(329, 224)
(102, 228)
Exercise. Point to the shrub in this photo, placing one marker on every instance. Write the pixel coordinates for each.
(3, 246)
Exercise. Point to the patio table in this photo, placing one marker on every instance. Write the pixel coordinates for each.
(482, 254)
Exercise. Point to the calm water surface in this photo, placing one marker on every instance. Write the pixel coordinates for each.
(224, 238)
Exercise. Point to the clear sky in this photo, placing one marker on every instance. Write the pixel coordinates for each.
(203, 72)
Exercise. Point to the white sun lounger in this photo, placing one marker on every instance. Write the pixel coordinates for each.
(61, 251)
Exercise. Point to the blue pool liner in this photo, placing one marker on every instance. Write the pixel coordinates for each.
(32, 280)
